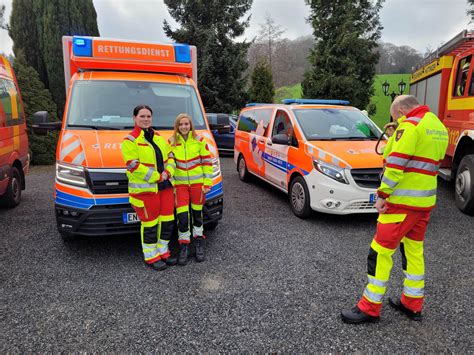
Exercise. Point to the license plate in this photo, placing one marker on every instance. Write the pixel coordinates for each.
(372, 198)
(130, 218)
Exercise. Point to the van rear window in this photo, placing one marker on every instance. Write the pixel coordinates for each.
(109, 104)
(11, 112)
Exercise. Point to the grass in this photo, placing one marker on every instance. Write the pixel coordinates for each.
(382, 103)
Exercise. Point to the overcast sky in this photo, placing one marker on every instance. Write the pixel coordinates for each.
(420, 24)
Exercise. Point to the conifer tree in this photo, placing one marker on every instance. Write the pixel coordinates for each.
(212, 26)
(344, 58)
(261, 87)
(36, 97)
(36, 28)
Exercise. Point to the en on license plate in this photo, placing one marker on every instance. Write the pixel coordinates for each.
(130, 217)
(372, 198)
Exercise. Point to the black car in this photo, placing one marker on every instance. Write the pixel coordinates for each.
(223, 126)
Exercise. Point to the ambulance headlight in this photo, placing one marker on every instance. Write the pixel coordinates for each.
(334, 172)
(71, 174)
(216, 167)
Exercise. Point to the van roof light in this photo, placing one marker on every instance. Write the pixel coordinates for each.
(315, 102)
(251, 104)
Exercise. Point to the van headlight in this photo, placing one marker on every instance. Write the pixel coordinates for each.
(216, 167)
(334, 172)
(71, 174)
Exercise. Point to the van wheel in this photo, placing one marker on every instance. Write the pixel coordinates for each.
(299, 198)
(244, 174)
(464, 185)
(12, 196)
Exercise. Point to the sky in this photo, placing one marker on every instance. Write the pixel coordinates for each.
(421, 24)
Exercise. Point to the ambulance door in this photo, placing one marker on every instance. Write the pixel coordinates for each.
(276, 155)
(261, 119)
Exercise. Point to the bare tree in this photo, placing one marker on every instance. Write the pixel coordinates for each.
(3, 24)
(269, 34)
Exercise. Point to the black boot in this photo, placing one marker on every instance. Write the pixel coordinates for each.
(398, 305)
(172, 260)
(199, 242)
(356, 316)
(183, 254)
(158, 265)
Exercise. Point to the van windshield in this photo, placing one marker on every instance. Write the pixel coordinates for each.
(336, 124)
(107, 105)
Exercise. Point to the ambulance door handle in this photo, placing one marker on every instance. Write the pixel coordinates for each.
(269, 143)
(261, 140)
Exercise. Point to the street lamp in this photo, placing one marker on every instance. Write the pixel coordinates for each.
(386, 87)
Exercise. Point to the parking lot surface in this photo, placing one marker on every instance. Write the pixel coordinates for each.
(271, 283)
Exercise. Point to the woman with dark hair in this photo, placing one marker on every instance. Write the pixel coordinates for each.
(150, 167)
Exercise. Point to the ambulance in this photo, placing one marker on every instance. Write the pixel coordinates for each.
(14, 157)
(319, 152)
(105, 80)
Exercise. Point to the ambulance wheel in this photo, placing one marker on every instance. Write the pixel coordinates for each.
(299, 198)
(244, 174)
(210, 226)
(12, 196)
(464, 185)
(67, 237)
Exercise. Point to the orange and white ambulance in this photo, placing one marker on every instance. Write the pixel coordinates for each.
(105, 80)
(14, 157)
(320, 152)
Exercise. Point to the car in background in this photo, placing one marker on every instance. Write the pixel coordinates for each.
(223, 126)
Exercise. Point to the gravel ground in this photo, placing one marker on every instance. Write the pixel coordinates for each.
(271, 283)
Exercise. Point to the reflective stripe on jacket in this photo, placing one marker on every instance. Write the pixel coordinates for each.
(140, 158)
(193, 161)
(412, 159)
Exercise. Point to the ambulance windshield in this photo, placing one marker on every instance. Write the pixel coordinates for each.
(336, 124)
(109, 104)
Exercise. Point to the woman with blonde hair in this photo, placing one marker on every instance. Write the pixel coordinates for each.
(192, 180)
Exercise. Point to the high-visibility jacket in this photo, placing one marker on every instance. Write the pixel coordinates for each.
(193, 161)
(412, 159)
(140, 158)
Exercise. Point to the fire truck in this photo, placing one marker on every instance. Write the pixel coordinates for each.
(445, 82)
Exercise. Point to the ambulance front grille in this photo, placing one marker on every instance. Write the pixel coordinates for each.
(361, 205)
(367, 178)
(107, 181)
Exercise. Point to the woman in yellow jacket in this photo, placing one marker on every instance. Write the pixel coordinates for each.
(150, 166)
(192, 180)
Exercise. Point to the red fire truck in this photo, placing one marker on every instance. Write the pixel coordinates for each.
(445, 83)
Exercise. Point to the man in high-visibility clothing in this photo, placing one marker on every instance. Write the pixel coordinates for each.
(406, 196)
(150, 167)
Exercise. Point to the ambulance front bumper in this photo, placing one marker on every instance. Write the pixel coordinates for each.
(330, 196)
(100, 220)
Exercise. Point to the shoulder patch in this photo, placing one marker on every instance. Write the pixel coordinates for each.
(199, 137)
(399, 134)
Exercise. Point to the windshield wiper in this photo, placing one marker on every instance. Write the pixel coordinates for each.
(361, 138)
(92, 127)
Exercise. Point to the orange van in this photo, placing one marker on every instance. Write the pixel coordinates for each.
(14, 157)
(106, 79)
(320, 152)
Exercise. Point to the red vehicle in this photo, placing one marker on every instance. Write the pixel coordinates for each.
(14, 157)
(446, 84)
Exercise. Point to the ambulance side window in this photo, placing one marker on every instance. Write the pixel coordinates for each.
(12, 112)
(461, 80)
(262, 117)
(246, 122)
(3, 103)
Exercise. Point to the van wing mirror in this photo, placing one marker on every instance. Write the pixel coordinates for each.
(281, 139)
(40, 124)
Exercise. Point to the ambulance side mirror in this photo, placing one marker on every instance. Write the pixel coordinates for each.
(280, 139)
(40, 124)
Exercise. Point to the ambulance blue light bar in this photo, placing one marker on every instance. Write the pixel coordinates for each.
(182, 53)
(315, 102)
(82, 46)
(251, 104)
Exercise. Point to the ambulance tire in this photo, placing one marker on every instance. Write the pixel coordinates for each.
(12, 196)
(464, 185)
(210, 226)
(67, 237)
(244, 174)
(299, 198)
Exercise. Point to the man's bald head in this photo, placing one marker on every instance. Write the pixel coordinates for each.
(402, 105)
